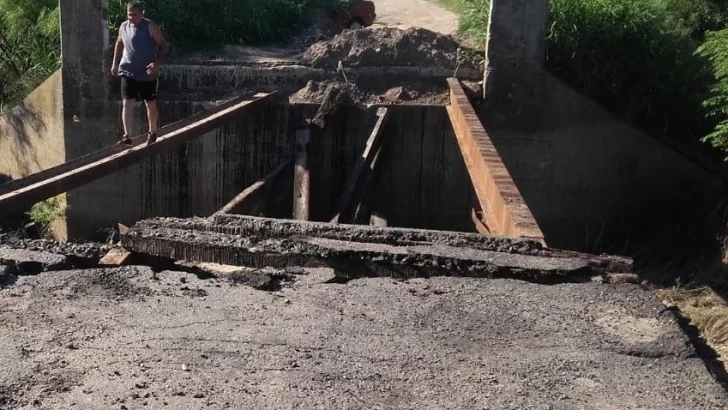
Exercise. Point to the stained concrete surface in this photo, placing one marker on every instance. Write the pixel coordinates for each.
(118, 338)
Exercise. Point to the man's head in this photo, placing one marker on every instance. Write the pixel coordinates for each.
(134, 12)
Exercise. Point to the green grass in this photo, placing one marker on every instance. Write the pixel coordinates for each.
(635, 57)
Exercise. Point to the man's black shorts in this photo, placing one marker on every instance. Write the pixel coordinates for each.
(138, 90)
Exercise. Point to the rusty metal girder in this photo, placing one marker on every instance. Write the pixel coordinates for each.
(506, 212)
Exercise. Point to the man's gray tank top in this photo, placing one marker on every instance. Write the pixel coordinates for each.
(140, 50)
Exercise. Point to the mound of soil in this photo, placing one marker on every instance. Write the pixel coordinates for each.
(409, 93)
(390, 46)
(112, 283)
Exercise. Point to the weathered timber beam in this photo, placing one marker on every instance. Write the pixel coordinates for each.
(243, 240)
(353, 190)
(66, 177)
(301, 176)
(506, 212)
(252, 200)
(363, 212)
(105, 152)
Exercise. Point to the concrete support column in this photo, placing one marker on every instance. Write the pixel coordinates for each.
(87, 110)
(515, 53)
(84, 41)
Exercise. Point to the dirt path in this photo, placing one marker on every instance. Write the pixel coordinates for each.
(416, 13)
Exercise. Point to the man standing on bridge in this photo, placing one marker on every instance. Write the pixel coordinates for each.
(139, 49)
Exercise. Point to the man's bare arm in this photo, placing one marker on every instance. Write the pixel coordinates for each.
(162, 45)
(118, 49)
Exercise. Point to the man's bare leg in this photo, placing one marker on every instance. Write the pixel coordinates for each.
(127, 117)
(152, 115)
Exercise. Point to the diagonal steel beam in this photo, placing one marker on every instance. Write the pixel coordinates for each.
(506, 212)
(73, 174)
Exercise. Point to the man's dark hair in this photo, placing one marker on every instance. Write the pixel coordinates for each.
(135, 5)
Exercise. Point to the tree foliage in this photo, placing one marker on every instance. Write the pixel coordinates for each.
(638, 58)
(715, 48)
(192, 22)
(29, 46)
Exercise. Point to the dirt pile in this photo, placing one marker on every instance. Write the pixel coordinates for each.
(390, 46)
(410, 93)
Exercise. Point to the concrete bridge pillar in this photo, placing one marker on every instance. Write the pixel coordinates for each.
(84, 41)
(515, 54)
(86, 104)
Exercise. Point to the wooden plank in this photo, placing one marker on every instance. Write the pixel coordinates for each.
(117, 257)
(352, 193)
(506, 212)
(252, 199)
(301, 180)
(62, 179)
(363, 211)
(103, 153)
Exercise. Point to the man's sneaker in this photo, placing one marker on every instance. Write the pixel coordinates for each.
(151, 137)
(125, 140)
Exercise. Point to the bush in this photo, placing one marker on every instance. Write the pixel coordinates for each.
(635, 57)
(715, 49)
(624, 54)
(46, 212)
(30, 46)
(187, 23)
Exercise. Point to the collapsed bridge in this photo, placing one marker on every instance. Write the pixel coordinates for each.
(499, 212)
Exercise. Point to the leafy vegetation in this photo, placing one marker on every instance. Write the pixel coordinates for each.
(187, 23)
(29, 46)
(638, 58)
(46, 212)
(715, 48)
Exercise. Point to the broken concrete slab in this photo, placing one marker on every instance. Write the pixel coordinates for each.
(358, 251)
(373, 343)
(27, 262)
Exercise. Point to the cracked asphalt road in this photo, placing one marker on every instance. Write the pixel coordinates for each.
(117, 338)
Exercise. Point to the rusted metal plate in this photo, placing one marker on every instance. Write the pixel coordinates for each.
(73, 174)
(505, 211)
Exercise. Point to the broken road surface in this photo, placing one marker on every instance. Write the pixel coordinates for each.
(116, 338)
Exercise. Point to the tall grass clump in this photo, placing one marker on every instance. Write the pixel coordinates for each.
(626, 55)
(193, 22)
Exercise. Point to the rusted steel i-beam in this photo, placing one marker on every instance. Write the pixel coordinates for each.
(506, 212)
(22, 193)
(357, 182)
